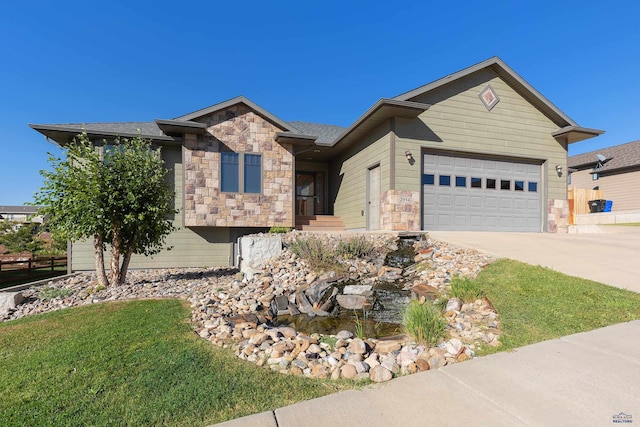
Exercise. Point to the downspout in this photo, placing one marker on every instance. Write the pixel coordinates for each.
(392, 153)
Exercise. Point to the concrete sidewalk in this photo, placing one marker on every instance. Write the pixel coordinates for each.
(587, 379)
(611, 257)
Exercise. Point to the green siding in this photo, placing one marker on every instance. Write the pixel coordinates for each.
(458, 121)
(349, 176)
(191, 247)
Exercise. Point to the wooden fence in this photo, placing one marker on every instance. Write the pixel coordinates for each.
(30, 265)
(579, 201)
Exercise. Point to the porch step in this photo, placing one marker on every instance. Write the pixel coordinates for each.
(319, 223)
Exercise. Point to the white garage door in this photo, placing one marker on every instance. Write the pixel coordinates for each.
(462, 193)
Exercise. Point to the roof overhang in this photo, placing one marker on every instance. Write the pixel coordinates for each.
(381, 111)
(63, 135)
(294, 138)
(572, 134)
(178, 127)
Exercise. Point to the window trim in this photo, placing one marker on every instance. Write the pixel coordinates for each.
(240, 178)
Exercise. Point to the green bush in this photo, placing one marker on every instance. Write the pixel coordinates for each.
(424, 323)
(355, 247)
(313, 250)
(47, 294)
(466, 289)
(278, 229)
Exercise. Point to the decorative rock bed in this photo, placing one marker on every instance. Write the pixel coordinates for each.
(231, 312)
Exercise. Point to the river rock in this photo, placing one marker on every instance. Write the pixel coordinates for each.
(343, 335)
(353, 302)
(357, 346)
(454, 304)
(380, 374)
(387, 346)
(348, 371)
(9, 301)
(357, 289)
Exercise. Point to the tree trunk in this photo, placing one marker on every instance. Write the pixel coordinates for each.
(98, 245)
(125, 266)
(114, 273)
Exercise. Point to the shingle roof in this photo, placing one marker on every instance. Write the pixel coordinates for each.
(120, 128)
(326, 133)
(618, 157)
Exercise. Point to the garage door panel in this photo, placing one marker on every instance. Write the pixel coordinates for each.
(485, 206)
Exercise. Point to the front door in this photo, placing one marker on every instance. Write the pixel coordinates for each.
(309, 193)
(373, 196)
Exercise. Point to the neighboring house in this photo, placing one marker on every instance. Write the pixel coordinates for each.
(21, 215)
(475, 150)
(614, 170)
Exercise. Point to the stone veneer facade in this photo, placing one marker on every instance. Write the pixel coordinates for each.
(558, 216)
(238, 129)
(400, 210)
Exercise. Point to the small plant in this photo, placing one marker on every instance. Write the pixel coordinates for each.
(440, 303)
(466, 289)
(278, 229)
(424, 323)
(47, 294)
(358, 325)
(355, 247)
(330, 340)
(313, 250)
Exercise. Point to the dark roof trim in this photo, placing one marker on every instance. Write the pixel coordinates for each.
(382, 110)
(294, 138)
(239, 100)
(510, 77)
(65, 134)
(178, 126)
(576, 133)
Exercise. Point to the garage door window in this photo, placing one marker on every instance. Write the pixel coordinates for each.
(519, 185)
(533, 187)
(461, 181)
(445, 180)
(428, 179)
(491, 184)
(476, 182)
(505, 184)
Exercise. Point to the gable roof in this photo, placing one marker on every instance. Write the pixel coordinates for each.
(617, 157)
(239, 100)
(569, 129)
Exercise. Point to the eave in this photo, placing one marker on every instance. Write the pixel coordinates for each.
(572, 134)
(178, 127)
(63, 135)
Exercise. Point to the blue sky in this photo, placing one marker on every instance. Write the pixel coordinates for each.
(324, 62)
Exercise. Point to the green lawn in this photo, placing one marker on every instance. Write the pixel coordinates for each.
(140, 363)
(537, 304)
(131, 363)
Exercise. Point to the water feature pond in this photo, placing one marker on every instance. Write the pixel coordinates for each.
(372, 306)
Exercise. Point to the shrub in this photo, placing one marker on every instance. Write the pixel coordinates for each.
(314, 251)
(466, 289)
(47, 294)
(355, 247)
(424, 323)
(278, 229)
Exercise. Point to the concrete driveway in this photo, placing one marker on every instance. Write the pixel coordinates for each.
(611, 257)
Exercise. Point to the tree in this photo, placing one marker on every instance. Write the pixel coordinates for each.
(21, 239)
(116, 196)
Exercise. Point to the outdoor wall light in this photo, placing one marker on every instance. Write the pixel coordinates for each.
(409, 155)
(559, 170)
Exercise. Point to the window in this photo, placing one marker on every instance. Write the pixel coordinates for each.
(240, 173)
(519, 185)
(229, 170)
(569, 178)
(445, 180)
(252, 173)
(533, 187)
(461, 181)
(491, 184)
(595, 176)
(428, 179)
(505, 184)
(476, 182)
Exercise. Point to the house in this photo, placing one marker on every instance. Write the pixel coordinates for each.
(476, 150)
(614, 170)
(21, 215)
